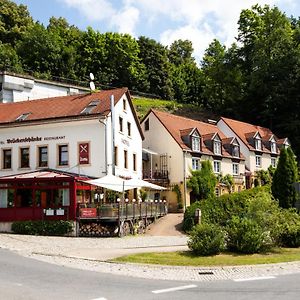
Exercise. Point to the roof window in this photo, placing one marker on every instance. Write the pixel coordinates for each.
(23, 117)
(90, 107)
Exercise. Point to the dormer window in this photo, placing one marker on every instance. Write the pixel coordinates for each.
(195, 143)
(90, 107)
(217, 146)
(22, 117)
(236, 150)
(257, 143)
(273, 146)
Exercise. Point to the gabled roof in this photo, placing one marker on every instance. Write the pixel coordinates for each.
(175, 125)
(187, 131)
(63, 107)
(246, 131)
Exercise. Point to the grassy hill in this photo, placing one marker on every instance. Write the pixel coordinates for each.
(143, 105)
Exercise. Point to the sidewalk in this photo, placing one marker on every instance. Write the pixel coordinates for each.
(92, 253)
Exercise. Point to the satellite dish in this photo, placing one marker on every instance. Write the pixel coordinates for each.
(92, 76)
(92, 86)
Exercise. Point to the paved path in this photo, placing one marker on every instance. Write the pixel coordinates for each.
(169, 225)
(91, 253)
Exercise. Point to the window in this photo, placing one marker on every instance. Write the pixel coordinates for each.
(6, 158)
(22, 117)
(257, 143)
(235, 151)
(121, 124)
(24, 157)
(124, 104)
(217, 166)
(147, 125)
(195, 164)
(258, 161)
(129, 128)
(235, 169)
(273, 162)
(134, 161)
(195, 143)
(63, 155)
(125, 159)
(43, 156)
(273, 147)
(217, 147)
(90, 107)
(116, 156)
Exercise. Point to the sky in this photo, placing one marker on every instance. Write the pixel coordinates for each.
(165, 21)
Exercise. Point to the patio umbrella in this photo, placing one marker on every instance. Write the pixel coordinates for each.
(111, 182)
(139, 183)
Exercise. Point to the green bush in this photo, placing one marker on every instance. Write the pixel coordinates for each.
(286, 228)
(206, 239)
(189, 216)
(245, 236)
(42, 227)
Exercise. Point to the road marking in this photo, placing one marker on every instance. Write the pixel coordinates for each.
(178, 288)
(254, 278)
(100, 299)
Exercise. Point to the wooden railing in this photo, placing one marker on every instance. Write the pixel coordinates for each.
(123, 211)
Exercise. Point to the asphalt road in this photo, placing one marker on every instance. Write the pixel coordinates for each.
(28, 279)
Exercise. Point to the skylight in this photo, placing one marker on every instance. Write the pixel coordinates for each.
(90, 107)
(23, 117)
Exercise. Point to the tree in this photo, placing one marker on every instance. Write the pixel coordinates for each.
(284, 178)
(158, 69)
(14, 21)
(203, 182)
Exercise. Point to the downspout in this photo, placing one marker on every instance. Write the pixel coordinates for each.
(112, 111)
(105, 141)
(184, 179)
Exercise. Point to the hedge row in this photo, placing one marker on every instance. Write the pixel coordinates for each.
(57, 228)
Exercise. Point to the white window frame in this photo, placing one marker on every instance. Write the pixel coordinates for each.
(217, 147)
(235, 169)
(273, 147)
(235, 146)
(217, 166)
(258, 144)
(195, 143)
(258, 161)
(273, 162)
(196, 164)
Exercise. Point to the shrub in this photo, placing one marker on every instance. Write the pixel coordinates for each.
(42, 227)
(206, 239)
(189, 216)
(286, 228)
(245, 236)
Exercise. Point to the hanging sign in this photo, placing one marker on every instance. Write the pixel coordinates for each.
(84, 157)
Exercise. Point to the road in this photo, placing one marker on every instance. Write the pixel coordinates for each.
(28, 279)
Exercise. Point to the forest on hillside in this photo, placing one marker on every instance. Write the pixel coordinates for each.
(256, 79)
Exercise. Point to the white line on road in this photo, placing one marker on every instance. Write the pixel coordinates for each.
(254, 278)
(100, 299)
(178, 288)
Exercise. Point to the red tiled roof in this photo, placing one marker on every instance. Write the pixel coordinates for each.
(59, 107)
(175, 125)
(245, 131)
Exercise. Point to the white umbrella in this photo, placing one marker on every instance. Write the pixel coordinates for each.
(139, 183)
(111, 182)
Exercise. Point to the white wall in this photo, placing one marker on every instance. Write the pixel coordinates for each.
(159, 140)
(16, 89)
(72, 133)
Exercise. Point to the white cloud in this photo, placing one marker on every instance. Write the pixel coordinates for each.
(126, 20)
(93, 10)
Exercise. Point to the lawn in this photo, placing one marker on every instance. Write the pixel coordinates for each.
(186, 258)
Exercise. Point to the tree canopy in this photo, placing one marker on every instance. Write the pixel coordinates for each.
(256, 79)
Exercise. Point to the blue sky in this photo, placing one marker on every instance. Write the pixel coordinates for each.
(163, 20)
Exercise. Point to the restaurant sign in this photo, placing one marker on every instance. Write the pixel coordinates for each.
(88, 212)
(84, 151)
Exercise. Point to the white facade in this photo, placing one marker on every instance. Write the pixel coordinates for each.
(14, 88)
(74, 133)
